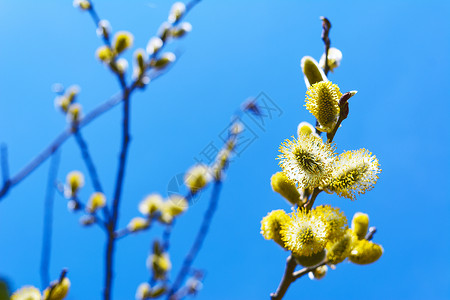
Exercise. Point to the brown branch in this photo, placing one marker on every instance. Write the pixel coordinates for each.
(287, 279)
(314, 195)
(326, 26)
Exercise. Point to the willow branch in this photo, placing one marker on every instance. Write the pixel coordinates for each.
(311, 201)
(371, 233)
(117, 195)
(199, 239)
(48, 221)
(326, 26)
(286, 280)
(88, 161)
(4, 163)
(290, 276)
(91, 167)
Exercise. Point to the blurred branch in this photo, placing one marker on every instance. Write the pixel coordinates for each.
(196, 246)
(4, 163)
(48, 220)
(91, 167)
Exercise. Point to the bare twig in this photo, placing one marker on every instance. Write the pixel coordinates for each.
(310, 203)
(91, 167)
(4, 163)
(326, 26)
(287, 279)
(48, 220)
(371, 233)
(88, 161)
(196, 246)
(290, 276)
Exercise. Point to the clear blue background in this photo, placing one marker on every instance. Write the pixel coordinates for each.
(396, 54)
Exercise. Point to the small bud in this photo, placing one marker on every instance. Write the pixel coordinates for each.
(271, 225)
(164, 31)
(181, 30)
(197, 177)
(176, 12)
(137, 224)
(96, 201)
(365, 252)
(140, 62)
(121, 65)
(104, 54)
(122, 41)
(74, 181)
(312, 260)
(334, 59)
(164, 61)
(237, 128)
(311, 71)
(160, 264)
(74, 113)
(340, 250)
(286, 188)
(318, 273)
(154, 44)
(26, 292)
(222, 160)
(72, 205)
(305, 128)
(251, 106)
(60, 290)
(158, 291)
(194, 285)
(82, 4)
(143, 291)
(87, 220)
(62, 103)
(72, 92)
(103, 29)
(360, 224)
(175, 205)
(151, 204)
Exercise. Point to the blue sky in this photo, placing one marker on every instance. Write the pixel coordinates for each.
(395, 55)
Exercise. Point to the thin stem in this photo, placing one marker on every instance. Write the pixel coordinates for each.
(91, 167)
(371, 233)
(48, 220)
(4, 163)
(88, 161)
(199, 239)
(326, 26)
(287, 279)
(166, 236)
(117, 195)
(305, 271)
(310, 203)
(290, 276)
